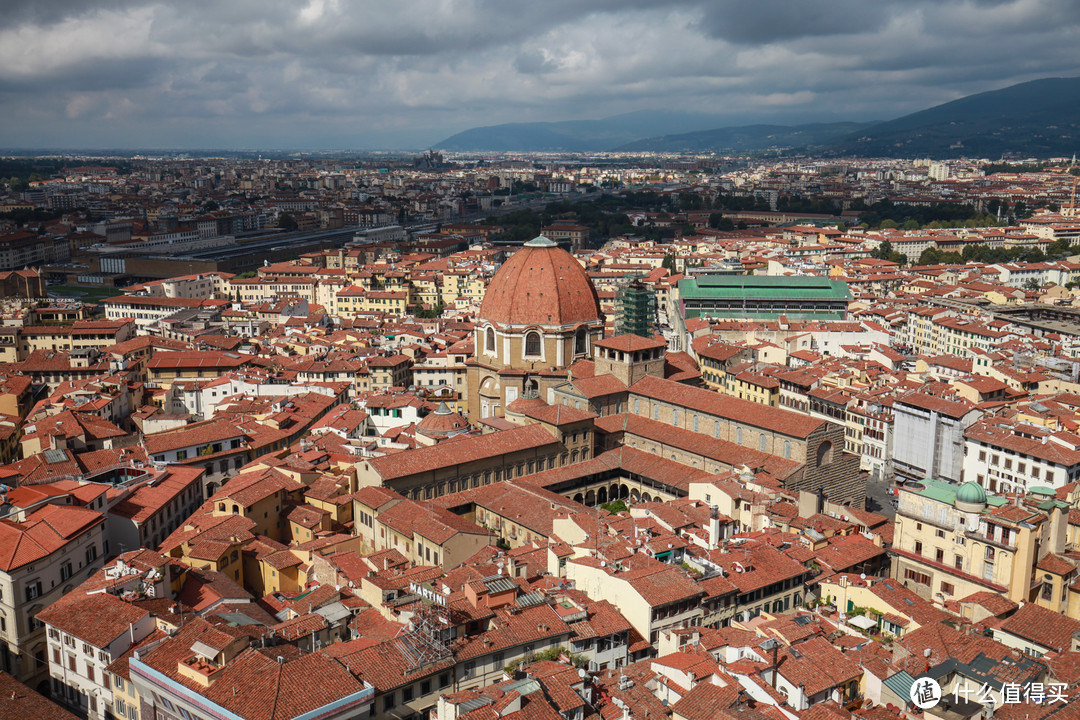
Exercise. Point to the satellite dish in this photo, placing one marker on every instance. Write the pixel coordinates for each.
(862, 576)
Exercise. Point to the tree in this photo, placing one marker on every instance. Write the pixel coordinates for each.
(287, 222)
(668, 262)
(614, 507)
(717, 221)
(882, 251)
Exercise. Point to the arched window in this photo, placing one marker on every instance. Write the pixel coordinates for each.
(824, 453)
(581, 342)
(489, 340)
(675, 416)
(761, 442)
(990, 553)
(787, 449)
(532, 344)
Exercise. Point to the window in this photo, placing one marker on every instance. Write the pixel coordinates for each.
(91, 554)
(407, 694)
(787, 449)
(121, 708)
(916, 576)
(65, 571)
(425, 688)
(489, 340)
(388, 702)
(958, 562)
(918, 547)
(947, 588)
(532, 344)
(33, 591)
(939, 555)
(1048, 588)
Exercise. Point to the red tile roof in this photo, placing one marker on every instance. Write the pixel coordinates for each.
(784, 422)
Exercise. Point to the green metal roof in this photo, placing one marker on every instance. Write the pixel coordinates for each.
(900, 683)
(946, 493)
(763, 287)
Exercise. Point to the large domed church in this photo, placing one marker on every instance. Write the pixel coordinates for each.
(540, 314)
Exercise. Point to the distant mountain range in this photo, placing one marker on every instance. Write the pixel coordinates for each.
(747, 138)
(577, 135)
(1040, 118)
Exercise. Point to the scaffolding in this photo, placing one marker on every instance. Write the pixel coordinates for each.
(635, 310)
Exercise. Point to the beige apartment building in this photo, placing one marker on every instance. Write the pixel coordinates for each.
(953, 541)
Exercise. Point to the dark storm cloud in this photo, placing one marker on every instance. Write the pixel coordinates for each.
(766, 21)
(293, 72)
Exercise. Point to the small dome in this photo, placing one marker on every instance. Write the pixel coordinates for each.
(442, 423)
(540, 284)
(971, 493)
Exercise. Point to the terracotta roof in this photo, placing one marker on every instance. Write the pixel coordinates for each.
(749, 413)
(411, 462)
(19, 701)
(44, 532)
(97, 619)
(1043, 626)
(630, 343)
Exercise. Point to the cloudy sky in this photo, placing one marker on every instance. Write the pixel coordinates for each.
(362, 74)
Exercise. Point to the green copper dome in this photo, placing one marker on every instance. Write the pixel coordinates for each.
(971, 493)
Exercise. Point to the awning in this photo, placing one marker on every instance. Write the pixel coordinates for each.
(862, 622)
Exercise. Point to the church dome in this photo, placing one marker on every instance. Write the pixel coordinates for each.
(442, 423)
(540, 284)
(971, 496)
